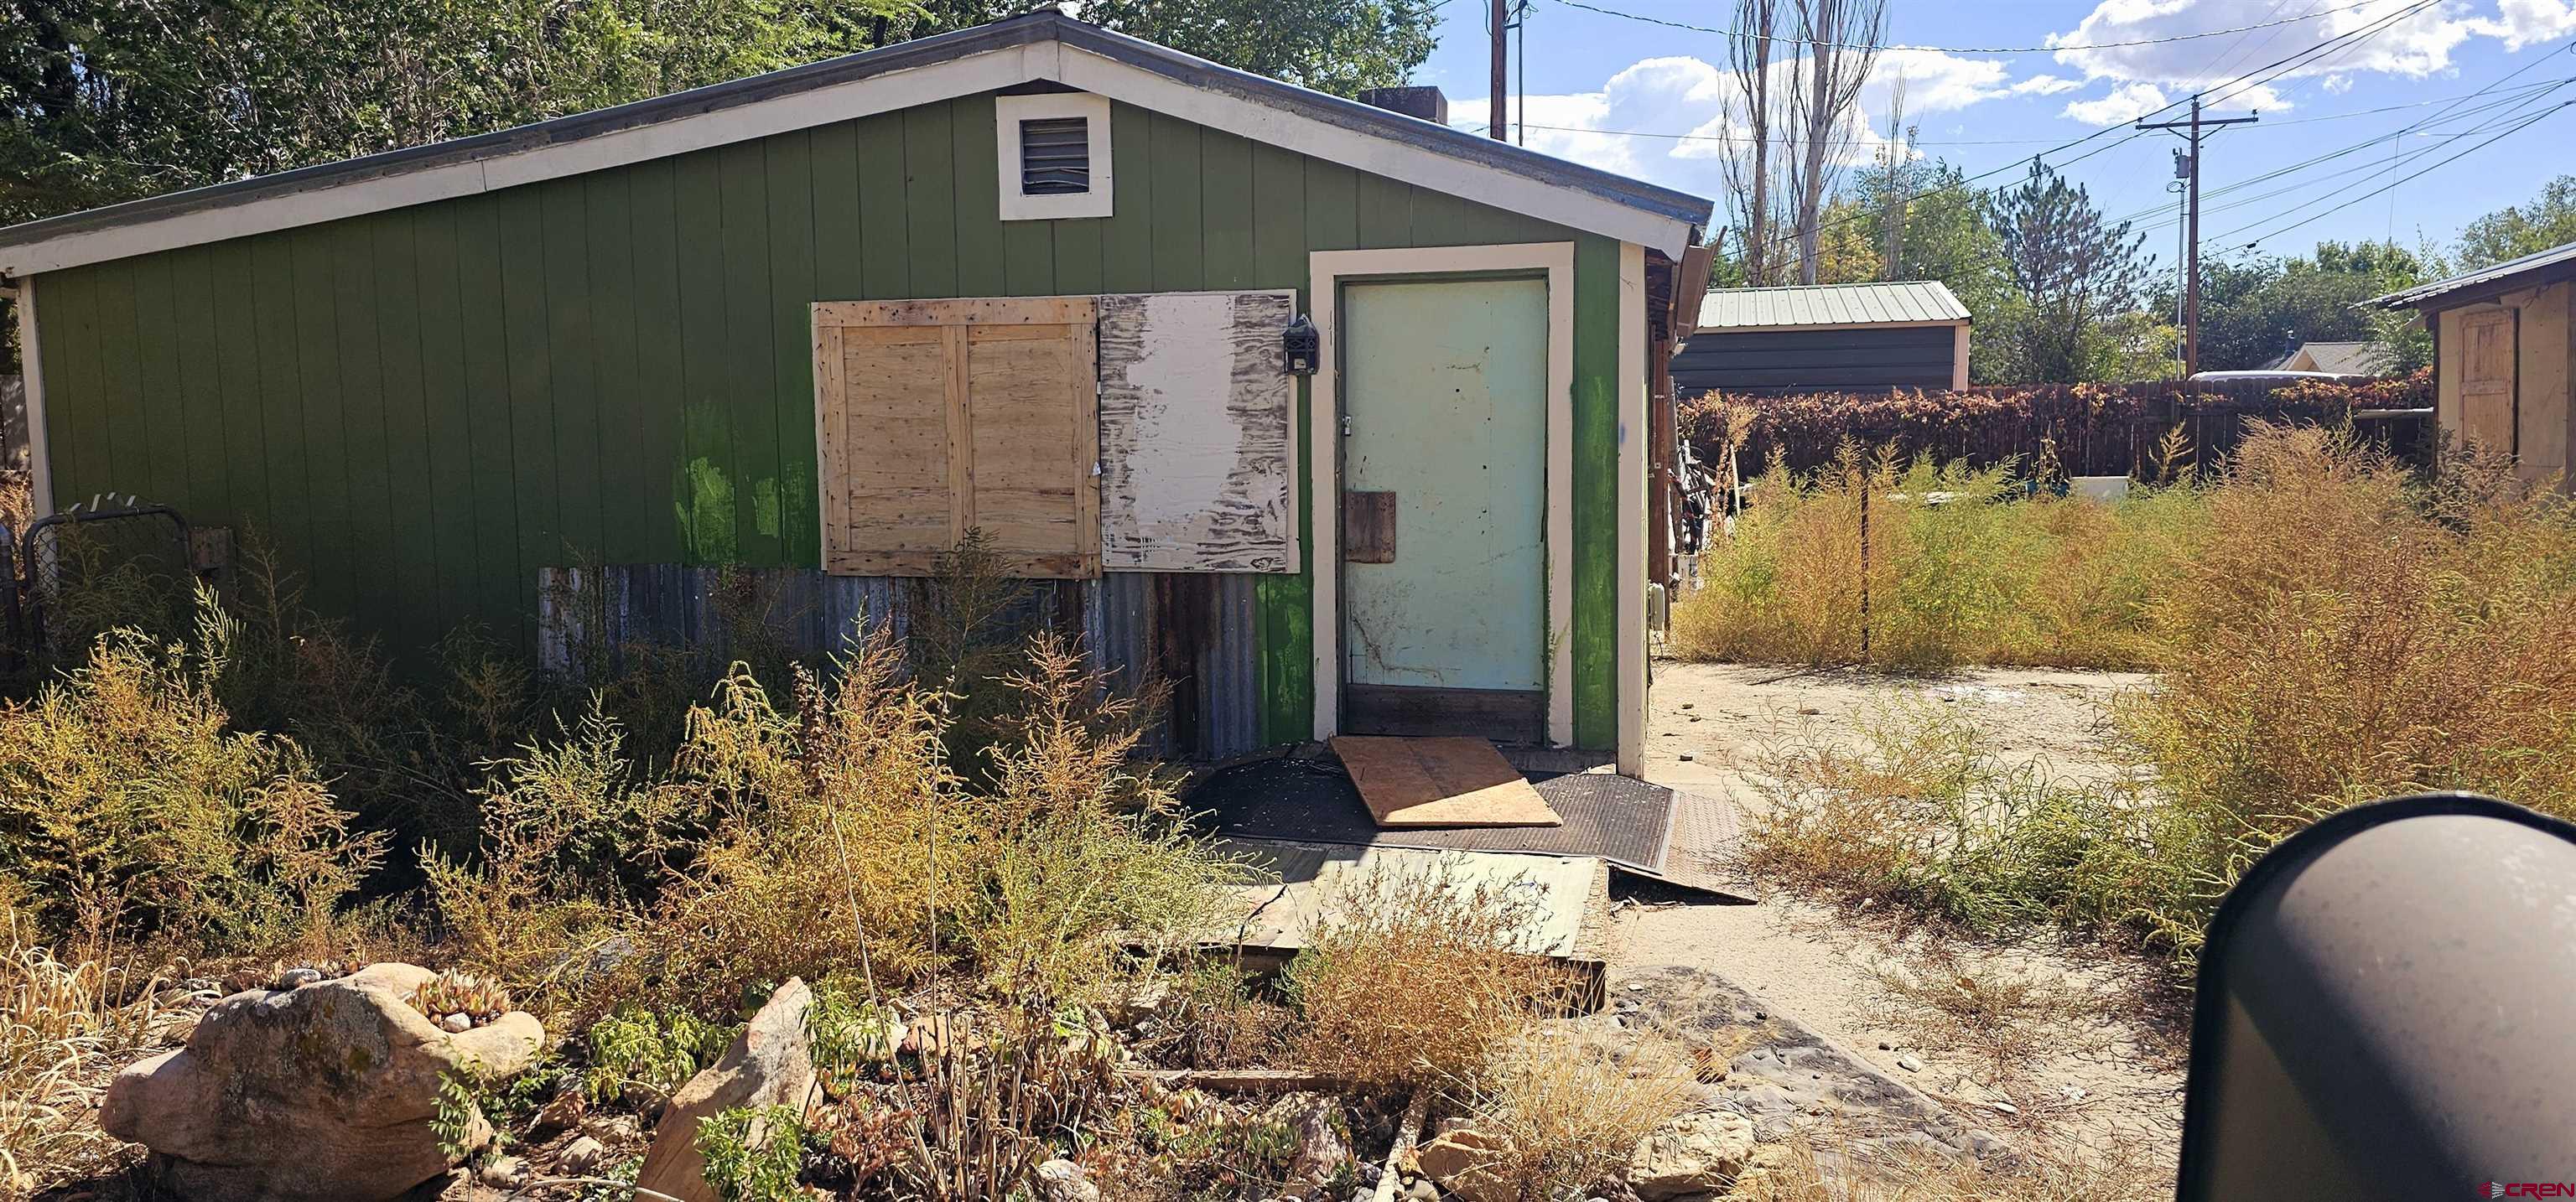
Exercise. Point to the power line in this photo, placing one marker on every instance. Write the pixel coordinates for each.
(2507, 98)
(2268, 124)
(2513, 97)
(2276, 67)
(2526, 123)
(1795, 41)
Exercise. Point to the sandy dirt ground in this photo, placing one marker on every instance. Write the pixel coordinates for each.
(2114, 1075)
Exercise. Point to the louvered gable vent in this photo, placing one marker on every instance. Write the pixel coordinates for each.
(1055, 156)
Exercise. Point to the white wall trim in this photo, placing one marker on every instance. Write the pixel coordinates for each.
(1631, 687)
(1959, 358)
(1010, 111)
(1353, 148)
(969, 74)
(1326, 271)
(31, 363)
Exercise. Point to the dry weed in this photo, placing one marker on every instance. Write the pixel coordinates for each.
(1571, 1109)
(62, 1029)
(2009, 1018)
(1418, 976)
(128, 809)
(1948, 572)
(1834, 1168)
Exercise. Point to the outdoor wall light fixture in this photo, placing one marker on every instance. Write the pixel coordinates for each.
(1300, 346)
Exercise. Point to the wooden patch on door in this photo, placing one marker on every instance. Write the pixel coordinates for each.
(1440, 782)
(1368, 527)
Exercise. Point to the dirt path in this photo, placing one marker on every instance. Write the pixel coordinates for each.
(2103, 1073)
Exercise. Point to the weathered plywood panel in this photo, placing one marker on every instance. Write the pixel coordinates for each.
(940, 417)
(1197, 424)
(1440, 782)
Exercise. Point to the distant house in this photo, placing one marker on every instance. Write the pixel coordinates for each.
(2335, 358)
(1826, 338)
(2504, 355)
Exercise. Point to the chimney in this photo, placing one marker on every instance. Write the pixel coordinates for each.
(1424, 102)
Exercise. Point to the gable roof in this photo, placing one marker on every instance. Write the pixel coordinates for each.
(1904, 302)
(2338, 358)
(1041, 47)
(2548, 266)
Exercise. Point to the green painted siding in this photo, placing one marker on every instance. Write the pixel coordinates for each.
(421, 408)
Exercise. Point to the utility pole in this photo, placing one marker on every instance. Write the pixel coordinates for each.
(1497, 111)
(2191, 223)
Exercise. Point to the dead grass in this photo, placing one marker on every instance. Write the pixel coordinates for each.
(2329, 631)
(2011, 1019)
(1958, 566)
(63, 1028)
(1570, 1109)
(1834, 1167)
(1420, 977)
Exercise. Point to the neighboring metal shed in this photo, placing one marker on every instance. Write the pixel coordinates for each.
(1028, 279)
(1827, 338)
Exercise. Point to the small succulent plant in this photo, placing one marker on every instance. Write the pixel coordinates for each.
(451, 993)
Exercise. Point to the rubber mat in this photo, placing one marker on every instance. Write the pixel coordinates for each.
(1624, 821)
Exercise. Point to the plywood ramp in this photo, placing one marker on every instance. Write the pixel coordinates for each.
(1440, 782)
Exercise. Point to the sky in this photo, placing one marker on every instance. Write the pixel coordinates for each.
(2392, 99)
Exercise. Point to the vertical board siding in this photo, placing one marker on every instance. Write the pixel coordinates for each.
(422, 410)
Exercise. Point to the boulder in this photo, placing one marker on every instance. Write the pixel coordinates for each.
(1063, 1181)
(1459, 1161)
(1322, 1149)
(1695, 1153)
(326, 1091)
(770, 1064)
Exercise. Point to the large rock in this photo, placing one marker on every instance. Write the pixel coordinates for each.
(1322, 1149)
(769, 1064)
(1694, 1153)
(1461, 1161)
(324, 1092)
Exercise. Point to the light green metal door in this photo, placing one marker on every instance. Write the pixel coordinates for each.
(1444, 392)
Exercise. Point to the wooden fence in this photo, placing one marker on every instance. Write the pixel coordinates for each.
(2089, 430)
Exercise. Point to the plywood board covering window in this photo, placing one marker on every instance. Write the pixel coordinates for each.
(938, 417)
(1197, 433)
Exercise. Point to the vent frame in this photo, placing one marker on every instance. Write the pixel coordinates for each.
(1052, 113)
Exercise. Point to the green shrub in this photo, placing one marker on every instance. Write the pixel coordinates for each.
(129, 810)
(754, 1154)
(640, 1054)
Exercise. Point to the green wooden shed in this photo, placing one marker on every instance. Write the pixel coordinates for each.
(1034, 278)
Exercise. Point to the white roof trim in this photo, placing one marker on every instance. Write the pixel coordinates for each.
(1048, 59)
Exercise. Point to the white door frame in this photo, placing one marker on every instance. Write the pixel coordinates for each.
(1328, 269)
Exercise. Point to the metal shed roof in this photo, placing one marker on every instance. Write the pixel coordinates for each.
(1042, 46)
(2555, 262)
(1905, 302)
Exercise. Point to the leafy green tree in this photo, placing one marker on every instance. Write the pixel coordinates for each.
(2255, 311)
(2076, 272)
(2518, 230)
(1337, 46)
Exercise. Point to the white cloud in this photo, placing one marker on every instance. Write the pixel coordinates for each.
(2125, 104)
(2414, 46)
(2044, 85)
(2522, 23)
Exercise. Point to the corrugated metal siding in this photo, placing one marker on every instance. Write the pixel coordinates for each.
(1863, 359)
(1198, 634)
(1831, 304)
